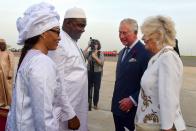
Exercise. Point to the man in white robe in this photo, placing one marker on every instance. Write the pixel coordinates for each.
(73, 101)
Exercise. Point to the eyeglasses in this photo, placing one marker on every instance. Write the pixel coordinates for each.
(147, 38)
(55, 31)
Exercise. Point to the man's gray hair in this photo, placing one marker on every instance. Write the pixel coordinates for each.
(132, 23)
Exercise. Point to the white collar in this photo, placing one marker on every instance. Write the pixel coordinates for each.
(134, 43)
(74, 43)
(67, 36)
(167, 46)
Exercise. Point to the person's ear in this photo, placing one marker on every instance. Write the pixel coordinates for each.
(43, 35)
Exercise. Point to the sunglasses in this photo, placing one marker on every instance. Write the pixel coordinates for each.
(55, 31)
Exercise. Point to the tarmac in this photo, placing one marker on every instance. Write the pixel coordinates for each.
(102, 120)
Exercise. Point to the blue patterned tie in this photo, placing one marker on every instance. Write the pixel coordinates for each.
(125, 53)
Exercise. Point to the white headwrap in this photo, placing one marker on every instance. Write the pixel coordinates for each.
(75, 13)
(36, 20)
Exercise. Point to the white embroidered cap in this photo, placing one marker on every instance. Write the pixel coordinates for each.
(36, 20)
(75, 13)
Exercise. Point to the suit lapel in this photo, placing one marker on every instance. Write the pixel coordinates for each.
(120, 57)
(130, 54)
(122, 53)
(124, 63)
(127, 57)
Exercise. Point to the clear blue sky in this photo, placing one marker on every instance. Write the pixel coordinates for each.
(104, 17)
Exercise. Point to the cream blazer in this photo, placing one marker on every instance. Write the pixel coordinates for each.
(159, 99)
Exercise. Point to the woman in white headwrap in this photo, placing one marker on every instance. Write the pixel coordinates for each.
(33, 95)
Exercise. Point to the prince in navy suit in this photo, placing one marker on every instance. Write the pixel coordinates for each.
(132, 62)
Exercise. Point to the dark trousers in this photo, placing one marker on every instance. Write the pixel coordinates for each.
(94, 83)
(122, 122)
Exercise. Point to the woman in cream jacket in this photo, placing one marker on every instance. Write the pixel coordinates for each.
(159, 99)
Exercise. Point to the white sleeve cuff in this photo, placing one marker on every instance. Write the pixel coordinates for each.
(135, 103)
(67, 116)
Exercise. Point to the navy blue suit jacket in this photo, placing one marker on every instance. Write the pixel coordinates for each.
(128, 76)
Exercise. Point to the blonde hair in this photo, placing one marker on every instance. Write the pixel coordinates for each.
(162, 27)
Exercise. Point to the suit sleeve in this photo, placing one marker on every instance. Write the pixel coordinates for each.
(143, 65)
(67, 112)
(135, 97)
(169, 84)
